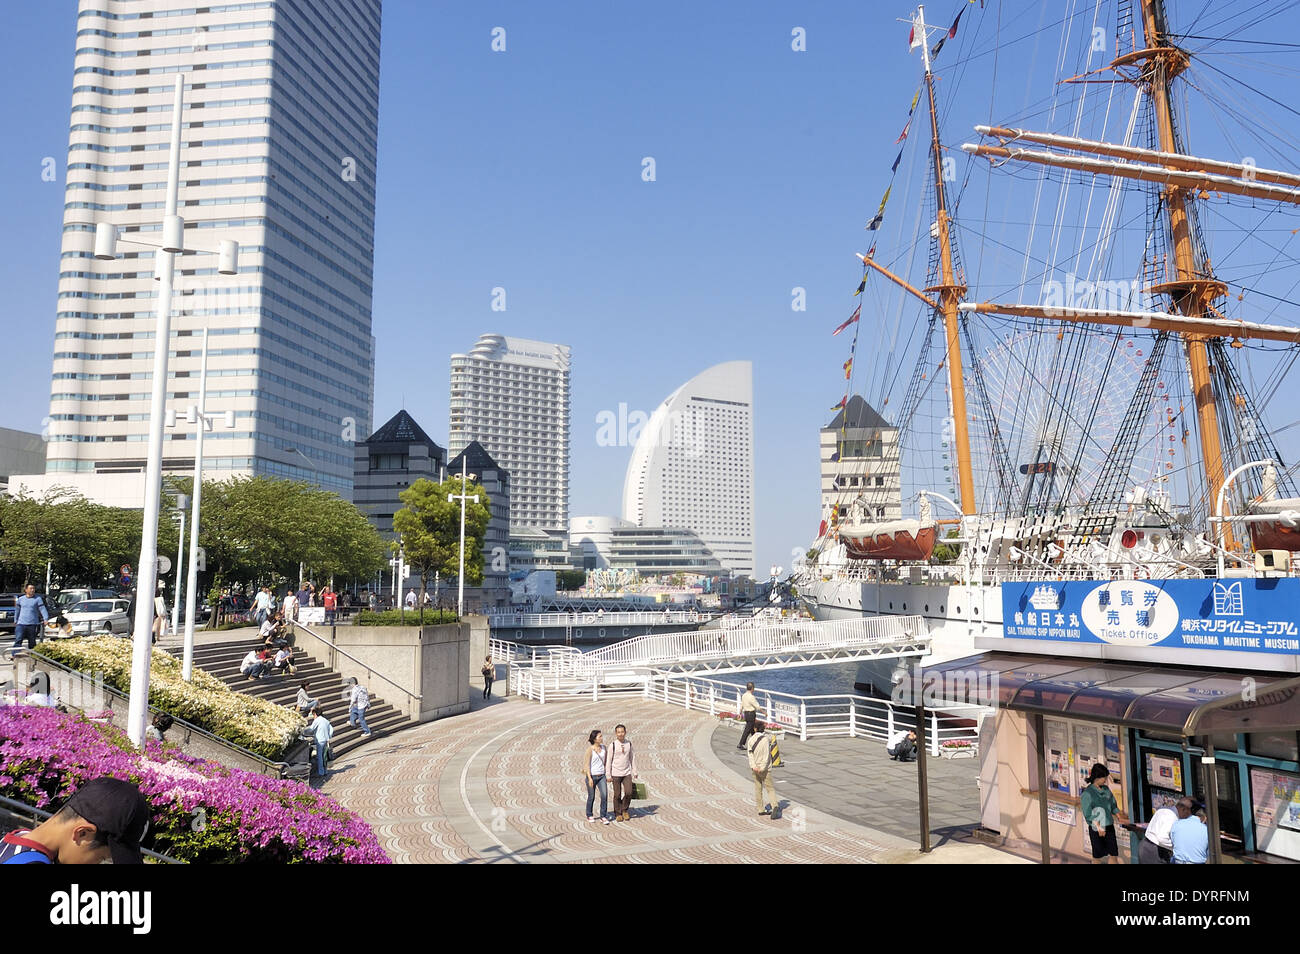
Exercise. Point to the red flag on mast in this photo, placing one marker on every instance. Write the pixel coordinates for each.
(857, 313)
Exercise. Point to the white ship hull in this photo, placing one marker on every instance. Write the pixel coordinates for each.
(955, 613)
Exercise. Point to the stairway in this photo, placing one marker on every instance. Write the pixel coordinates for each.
(222, 661)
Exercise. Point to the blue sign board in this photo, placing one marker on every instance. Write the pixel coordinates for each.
(1251, 615)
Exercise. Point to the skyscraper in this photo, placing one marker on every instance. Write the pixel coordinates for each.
(693, 464)
(278, 151)
(512, 396)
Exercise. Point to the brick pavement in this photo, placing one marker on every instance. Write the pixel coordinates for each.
(504, 784)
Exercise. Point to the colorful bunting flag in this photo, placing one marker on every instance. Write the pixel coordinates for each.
(903, 134)
(894, 167)
(843, 401)
(880, 212)
(848, 369)
(857, 313)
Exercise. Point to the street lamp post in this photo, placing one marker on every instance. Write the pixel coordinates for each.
(462, 497)
(173, 243)
(182, 505)
(197, 415)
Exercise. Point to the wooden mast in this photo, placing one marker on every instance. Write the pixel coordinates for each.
(950, 292)
(1192, 293)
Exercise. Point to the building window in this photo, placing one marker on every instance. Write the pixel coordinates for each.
(388, 462)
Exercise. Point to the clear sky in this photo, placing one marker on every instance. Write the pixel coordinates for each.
(523, 169)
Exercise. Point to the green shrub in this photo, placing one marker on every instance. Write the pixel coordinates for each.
(412, 617)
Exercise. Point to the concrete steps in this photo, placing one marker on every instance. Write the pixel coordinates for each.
(222, 661)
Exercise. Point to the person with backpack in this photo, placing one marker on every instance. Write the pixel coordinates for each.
(622, 772)
(489, 672)
(105, 819)
(760, 763)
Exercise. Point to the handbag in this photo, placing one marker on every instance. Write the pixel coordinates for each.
(639, 791)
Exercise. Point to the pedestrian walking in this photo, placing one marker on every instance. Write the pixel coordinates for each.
(760, 763)
(489, 675)
(1157, 848)
(1097, 802)
(265, 603)
(358, 702)
(372, 601)
(622, 772)
(30, 616)
(330, 600)
(290, 608)
(303, 595)
(749, 710)
(593, 769)
(321, 731)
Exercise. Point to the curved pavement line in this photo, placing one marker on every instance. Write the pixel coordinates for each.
(704, 752)
(464, 791)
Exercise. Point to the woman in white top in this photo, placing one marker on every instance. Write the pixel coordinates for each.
(594, 761)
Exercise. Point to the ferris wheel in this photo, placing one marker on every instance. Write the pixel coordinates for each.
(1059, 402)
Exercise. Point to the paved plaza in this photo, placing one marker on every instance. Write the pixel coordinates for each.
(504, 784)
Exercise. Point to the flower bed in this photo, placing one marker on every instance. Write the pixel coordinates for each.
(206, 701)
(203, 812)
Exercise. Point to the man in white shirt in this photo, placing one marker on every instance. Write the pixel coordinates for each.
(410, 599)
(1157, 848)
(358, 702)
(252, 666)
(290, 607)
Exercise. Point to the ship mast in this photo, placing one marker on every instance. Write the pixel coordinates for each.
(950, 290)
(1191, 287)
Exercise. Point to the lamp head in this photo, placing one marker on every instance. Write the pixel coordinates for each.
(105, 241)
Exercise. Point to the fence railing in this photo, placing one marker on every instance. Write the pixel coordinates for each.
(561, 620)
(843, 715)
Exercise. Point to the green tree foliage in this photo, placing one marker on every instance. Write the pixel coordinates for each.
(568, 580)
(85, 542)
(258, 529)
(429, 527)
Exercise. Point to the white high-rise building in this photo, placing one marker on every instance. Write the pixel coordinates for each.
(512, 396)
(693, 464)
(278, 151)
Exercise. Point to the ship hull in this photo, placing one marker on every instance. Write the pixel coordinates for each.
(955, 613)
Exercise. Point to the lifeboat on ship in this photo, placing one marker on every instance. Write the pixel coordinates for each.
(889, 540)
(1280, 534)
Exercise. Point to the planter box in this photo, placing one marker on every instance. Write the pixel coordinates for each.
(965, 752)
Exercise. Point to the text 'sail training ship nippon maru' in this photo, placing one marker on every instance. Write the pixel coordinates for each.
(1077, 359)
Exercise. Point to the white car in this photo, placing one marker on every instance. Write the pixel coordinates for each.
(98, 616)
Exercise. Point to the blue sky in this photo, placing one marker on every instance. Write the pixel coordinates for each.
(523, 170)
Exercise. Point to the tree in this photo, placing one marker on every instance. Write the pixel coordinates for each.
(568, 580)
(259, 529)
(428, 526)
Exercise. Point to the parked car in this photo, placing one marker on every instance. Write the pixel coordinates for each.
(8, 604)
(64, 599)
(99, 616)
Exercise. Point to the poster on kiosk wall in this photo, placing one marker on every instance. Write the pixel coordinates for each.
(1248, 615)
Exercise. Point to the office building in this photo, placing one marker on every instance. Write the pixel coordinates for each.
(512, 396)
(278, 151)
(21, 452)
(860, 458)
(608, 543)
(389, 461)
(693, 465)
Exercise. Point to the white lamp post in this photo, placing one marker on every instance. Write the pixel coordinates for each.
(462, 497)
(202, 421)
(182, 505)
(106, 238)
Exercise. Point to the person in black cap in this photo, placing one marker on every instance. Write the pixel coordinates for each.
(104, 819)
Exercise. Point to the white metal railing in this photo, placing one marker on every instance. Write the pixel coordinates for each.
(562, 620)
(843, 715)
(755, 638)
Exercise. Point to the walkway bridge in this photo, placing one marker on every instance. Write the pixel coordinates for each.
(594, 625)
(736, 646)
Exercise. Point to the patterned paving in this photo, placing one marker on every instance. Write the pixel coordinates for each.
(504, 784)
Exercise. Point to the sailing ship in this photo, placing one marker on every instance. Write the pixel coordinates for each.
(1070, 435)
